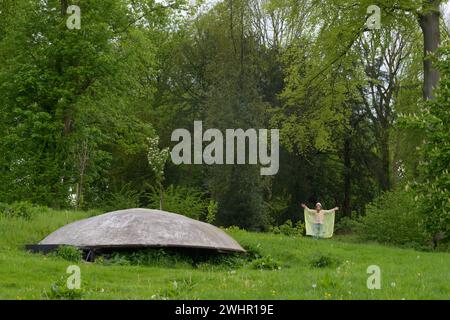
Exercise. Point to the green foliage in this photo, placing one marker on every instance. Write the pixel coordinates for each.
(23, 210)
(69, 253)
(148, 257)
(87, 115)
(187, 201)
(167, 258)
(212, 212)
(60, 291)
(225, 261)
(125, 198)
(433, 184)
(74, 123)
(322, 260)
(418, 274)
(265, 263)
(157, 158)
(177, 289)
(394, 218)
(277, 207)
(346, 225)
(289, 229)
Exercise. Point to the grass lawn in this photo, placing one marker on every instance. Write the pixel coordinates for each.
(405, 273)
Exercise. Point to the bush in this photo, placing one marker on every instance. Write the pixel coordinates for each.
(265, 263)
(346, 225)
(146, 257)
(124, 198)
(187, 201)
(393, 218)
(432, 184)
(173, 258)
(22, 210)
(212, 212)
(320, 260)
(277, 208)
(69, 253)
(60, 291)
(289, 229)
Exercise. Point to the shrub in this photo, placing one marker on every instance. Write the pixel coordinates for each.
(393, 218)
(172, 258)
(277, 208)
(289, 229)
(60, 291)
(253, 252)
(212, 211)
(124, 198)
(69, 253)
(265, 263)
(159, 257)
(116, 259)
(432, 184)
(22, 210)
(147, 257)
(221, 261)
(182, 200)
(320, 260)
(346, 225)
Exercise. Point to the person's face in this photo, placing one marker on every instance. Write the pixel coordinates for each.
(318, 207)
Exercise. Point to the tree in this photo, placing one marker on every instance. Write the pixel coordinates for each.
(384, 57)
(72, 121)
(429, 20)
(157, 160)
(433, 184)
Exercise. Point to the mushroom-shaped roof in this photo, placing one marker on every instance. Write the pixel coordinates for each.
(142, 228)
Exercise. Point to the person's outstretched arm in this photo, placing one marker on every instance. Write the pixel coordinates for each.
(304, 206)
(331, 210)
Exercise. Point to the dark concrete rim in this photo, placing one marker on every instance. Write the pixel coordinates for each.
(52, 247)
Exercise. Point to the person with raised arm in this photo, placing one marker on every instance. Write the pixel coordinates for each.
(319, 223)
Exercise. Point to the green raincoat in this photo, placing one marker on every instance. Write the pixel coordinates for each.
(328, 222)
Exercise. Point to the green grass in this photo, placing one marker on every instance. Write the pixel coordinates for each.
(310, 269)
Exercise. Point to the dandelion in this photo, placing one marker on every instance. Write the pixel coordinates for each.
(314, 285)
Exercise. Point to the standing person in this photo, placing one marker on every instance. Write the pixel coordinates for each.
(319, 223)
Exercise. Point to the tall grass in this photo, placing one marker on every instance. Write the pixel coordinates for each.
(16, 232)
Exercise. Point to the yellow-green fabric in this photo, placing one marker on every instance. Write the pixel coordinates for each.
(328, 222)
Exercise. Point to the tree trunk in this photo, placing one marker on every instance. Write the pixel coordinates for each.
(385, 161)
(64, 6)
(347, 177)
(161, 196)
(429, 23)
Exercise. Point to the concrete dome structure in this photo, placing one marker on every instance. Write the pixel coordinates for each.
(139, 228)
